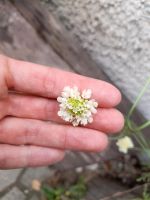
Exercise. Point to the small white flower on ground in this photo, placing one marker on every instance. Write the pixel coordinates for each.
(77, 107)
(36, 185)
(124, 144)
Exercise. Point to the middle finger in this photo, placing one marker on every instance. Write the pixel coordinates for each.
(106, 120)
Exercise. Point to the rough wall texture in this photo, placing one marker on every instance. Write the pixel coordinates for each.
(116, 33)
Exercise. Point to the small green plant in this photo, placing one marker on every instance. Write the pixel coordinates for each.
(52, 193)
(145, 194)
(74, 192)
(132, 130)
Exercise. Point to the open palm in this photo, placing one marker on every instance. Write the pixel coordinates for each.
(31, 133)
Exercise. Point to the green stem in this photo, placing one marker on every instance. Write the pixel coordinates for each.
(138, 133)
(138, 98)
(131, 127)
(141, 127)
(142, 142)
(139, 141)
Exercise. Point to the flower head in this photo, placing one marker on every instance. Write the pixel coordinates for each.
(124, 144)
(76, 107)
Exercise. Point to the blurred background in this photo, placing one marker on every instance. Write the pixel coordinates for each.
(116, 33)
(108, 40)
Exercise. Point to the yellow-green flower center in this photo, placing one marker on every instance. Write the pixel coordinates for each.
(77, 106)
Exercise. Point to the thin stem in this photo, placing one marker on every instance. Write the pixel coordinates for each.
(139, 141)
(141, 127)
(137, 132)
(143, 140)
(138, 98)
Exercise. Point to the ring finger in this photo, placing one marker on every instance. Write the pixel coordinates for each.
(19, 131)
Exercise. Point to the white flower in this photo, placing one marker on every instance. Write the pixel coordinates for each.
(124, 144)
(76, 107)
(36, 185)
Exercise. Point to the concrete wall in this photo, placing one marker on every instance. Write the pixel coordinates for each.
(116, 33)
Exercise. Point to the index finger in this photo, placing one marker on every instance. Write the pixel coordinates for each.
(49, 82)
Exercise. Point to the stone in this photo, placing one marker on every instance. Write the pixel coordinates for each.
(14, 194)
(19, 42)
(116, 34)
(34, 198)
(40, 173)
(8, 177)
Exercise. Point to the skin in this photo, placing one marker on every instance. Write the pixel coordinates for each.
(31, 133)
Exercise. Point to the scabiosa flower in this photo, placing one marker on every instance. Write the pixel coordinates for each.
(76, 107)
(124, 144)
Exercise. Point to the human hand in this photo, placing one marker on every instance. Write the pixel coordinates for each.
(28, 95)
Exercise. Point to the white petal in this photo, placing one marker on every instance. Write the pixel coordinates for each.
(75, 123)
(93, 110)
(88, 114)
(90, 103)
(61, 99)
(95, 104)
(84, 121)
(75, 88)
(65, 94)
(69, 106)
(74, 93)
(71, 93)
(78, 119)
(86, 94)
(90, 119)
(59, 113)
(67, 119)
(66, 89)
(62, 105)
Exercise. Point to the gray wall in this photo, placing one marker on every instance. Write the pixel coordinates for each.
(116, 33)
